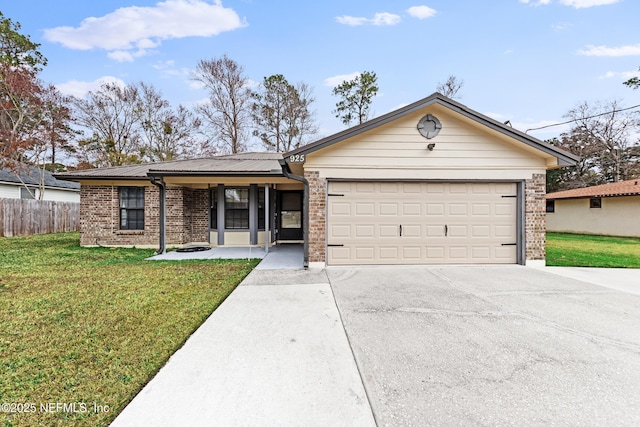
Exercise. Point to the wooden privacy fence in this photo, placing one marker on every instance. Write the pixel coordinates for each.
(27, 217)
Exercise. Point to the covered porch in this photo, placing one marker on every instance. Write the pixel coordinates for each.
(248, 201)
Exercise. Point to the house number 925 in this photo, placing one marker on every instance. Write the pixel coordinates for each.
(296, 158)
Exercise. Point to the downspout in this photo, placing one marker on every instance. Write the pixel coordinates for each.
(159, 182)
(305, 206)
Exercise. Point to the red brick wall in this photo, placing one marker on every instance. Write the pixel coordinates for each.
(196, 205)
(535, 217)
(187, 217)
(317, 216)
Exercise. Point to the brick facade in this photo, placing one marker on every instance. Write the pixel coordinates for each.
(535, 217)
(196, 221)
(317, 216)
(186, 214)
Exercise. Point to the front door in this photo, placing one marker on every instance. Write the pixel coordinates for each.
(290, 215)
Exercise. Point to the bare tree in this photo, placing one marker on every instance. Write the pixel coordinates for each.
(228, 112)
(450, 88)
(110, 116)
(609, 130)
(281, 113)
(167, 133)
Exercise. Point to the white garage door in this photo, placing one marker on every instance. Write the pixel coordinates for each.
(421, 223)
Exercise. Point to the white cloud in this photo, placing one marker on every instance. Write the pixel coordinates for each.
(623, 74)
(336, 80)
(535, 3)
(577, 4)
(130, 32)
(631, 50)
(351, 20)
(561, 26)
(421, 12)
(379, 19)
(385, 18)
(79, 88)
(581, 4)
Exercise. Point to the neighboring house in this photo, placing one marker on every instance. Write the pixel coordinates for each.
(26, 182)
(609, 209)
(433, 182)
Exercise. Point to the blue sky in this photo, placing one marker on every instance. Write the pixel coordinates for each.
(527, 61)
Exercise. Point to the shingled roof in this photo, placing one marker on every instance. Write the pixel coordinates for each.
(615, 189)
(232, 164)
(31, 176)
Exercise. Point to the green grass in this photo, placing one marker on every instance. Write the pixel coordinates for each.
(93, 325)
(579, 250)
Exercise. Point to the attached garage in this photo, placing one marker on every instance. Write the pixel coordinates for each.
(433, 182)
(422, 223)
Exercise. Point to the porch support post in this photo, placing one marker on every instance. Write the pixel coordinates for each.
(267, 219)
(305, 209)
(253, 214)
(159, 182)
(209, 201)
(221, 214)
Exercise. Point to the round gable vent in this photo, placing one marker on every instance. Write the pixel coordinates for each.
(429, 126)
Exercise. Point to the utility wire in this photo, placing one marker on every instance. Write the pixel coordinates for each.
(583, 118)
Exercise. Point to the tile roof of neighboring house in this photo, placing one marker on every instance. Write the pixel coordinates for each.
(622, 188)
(30, 175)
(231, 164)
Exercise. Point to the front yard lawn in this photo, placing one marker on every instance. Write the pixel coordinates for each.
(579, 250)
(83, 329)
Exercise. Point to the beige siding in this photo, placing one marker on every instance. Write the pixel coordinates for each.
(396, 150)
(236, 238)
(617, 217)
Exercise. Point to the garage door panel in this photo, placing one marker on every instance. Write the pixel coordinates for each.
(441, 223)
(388, 209)
(365, 187)
(435, 209)
(411, 209)
(409, 231)
(365, 231)
(365, 253)
(457, 254)
(340, 255)
(480, 231)
(339, 231)
(363, 208)
(458, 209)
(388, 253)
(412, 253)
(480, 209)
(340, 208)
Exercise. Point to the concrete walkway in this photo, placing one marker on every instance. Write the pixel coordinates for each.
(282, 256)
(274, 353)
(621, 279)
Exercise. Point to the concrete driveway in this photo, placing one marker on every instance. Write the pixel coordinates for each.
(491, 346)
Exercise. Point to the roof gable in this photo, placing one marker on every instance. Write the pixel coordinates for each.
(564, 158)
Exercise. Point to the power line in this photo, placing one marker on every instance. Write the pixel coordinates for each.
(583, 118)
